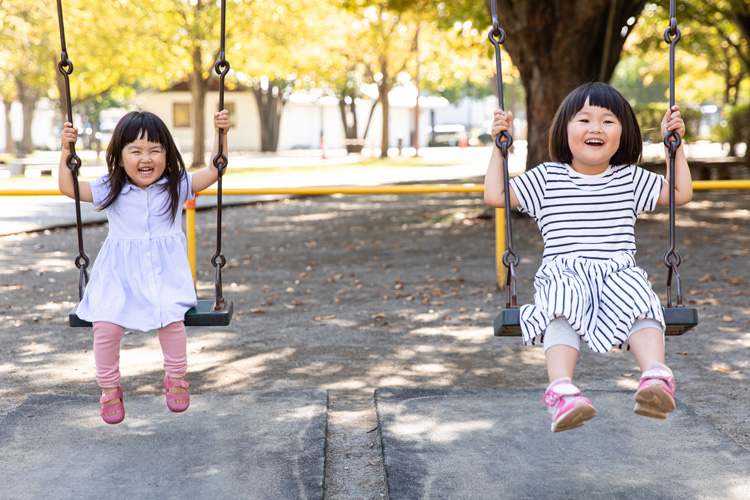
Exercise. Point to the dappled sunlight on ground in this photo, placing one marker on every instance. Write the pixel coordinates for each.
(355, 293)
(418, 428)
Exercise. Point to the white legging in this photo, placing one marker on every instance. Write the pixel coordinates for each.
(559, 332)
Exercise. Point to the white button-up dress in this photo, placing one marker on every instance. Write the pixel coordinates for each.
(141, 278)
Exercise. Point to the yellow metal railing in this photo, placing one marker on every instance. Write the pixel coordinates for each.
(190, 223)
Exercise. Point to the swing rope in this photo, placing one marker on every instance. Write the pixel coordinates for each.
(503, 141)
(672, 141)
(220, 162)
(73, 162)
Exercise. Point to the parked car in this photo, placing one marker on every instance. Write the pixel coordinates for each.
(447, 135)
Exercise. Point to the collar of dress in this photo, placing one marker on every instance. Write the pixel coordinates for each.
(127, 187)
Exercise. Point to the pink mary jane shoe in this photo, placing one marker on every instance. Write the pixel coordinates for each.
(171, 398)
(119, 408)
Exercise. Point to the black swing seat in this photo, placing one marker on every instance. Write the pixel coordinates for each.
(678, 321)
(202, 314)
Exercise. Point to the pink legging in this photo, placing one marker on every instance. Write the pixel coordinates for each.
(107, 337)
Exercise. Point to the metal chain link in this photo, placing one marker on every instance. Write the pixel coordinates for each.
(503, 141)
(672, 141)
(73, 162)
(220, 162)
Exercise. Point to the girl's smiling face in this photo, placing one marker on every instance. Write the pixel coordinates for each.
(144, 161)
(594, 138)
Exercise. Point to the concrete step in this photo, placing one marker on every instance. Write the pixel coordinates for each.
(497, 444)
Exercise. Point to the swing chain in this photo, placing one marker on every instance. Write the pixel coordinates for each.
(220, 162)
(672, 141)
(73, 162)
(673, 270)
(503, 141)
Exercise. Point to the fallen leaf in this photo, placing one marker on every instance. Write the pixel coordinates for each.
(706, 277)
(258, 311)
(684, 353)
(733, 281)
(724, 370)
(321, 318)
(727, 319)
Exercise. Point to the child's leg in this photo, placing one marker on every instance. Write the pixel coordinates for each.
(655, 395)
(561, 346)
(173, 340)
(107, 337)
(568, 408)
(647, 343)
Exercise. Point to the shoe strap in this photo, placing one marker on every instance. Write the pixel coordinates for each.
(561, 390)
(109, 397)
(654, 374)
(176, 383)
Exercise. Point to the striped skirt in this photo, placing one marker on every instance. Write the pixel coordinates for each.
(600, 298)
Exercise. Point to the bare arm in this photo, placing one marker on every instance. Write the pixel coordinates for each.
(209, 174)
(494, 179)
(65, 175)
(683, 182)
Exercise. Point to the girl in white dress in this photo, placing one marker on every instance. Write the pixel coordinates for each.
(141, 278)
(589, 287)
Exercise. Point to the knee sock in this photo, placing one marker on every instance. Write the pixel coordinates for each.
(173, 340)
(107, 337)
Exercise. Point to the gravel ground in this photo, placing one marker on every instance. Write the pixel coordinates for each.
(353, 293)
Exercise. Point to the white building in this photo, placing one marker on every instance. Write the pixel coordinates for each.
(304, 119)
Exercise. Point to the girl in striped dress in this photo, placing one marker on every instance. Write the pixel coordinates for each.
(589, 287)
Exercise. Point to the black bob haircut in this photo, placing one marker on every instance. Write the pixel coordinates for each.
(605, 96)
(131, 127)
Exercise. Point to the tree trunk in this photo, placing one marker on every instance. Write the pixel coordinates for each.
(10, 146)
(198, 89)
(270, 105)
(28, 97)
(415, 139)
(384, 89)
(351, 129)
(558, 45)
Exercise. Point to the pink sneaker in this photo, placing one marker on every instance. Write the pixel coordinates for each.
(655, 395)
(568, 408)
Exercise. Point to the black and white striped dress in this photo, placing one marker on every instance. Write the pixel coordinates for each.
(588, 272)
